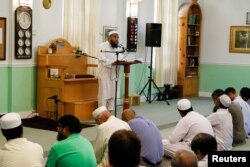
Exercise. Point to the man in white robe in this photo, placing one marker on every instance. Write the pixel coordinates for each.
(107, 125)
(231, 92)
(108, 53)
(188, 126)
(222, 123)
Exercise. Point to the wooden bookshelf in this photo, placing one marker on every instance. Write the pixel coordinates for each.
(189, 47)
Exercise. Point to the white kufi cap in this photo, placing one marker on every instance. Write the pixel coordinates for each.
(225, 100)
(10, 120)
(98, 111)
(113, 32)
(183, 104)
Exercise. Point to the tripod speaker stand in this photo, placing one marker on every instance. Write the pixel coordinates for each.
(150, 82)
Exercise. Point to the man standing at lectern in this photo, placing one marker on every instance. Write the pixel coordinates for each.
(108, 73)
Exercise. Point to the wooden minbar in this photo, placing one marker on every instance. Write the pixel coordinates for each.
(63, 85)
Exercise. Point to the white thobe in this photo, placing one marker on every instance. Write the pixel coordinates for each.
(104, 132)
(245, 111)
(203, 162)
(21, 153)
(222, 124)
(107, 74)
(184, 132)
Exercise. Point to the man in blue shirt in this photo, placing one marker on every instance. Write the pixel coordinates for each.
(151, 141)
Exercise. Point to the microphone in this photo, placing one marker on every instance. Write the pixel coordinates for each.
(53, 97)
(121, 46)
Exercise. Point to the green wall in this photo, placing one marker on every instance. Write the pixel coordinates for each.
(138, 77)
(18, 84)
(4, 96)
(214, 76)
(18, 93)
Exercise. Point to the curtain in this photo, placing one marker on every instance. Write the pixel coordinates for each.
(166, 56)
(81, 23)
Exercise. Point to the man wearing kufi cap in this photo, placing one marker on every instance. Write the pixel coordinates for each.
(222, 123)
(187, 127)
(239, 134)
(108, 73)
(107, 125)
(18, 151)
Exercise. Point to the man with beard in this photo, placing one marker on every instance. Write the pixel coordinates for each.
(72, 149)
(108, 73)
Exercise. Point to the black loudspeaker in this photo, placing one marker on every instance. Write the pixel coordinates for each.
(153, 35)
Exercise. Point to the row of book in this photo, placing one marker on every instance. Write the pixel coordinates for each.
(193, 30)
(192, 51)
(192, 62)
(192, 41)
(193, 19)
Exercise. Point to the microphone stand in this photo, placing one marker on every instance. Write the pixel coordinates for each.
(85, 54)
(116, 73)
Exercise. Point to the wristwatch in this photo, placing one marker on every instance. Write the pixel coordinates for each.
(23, 32)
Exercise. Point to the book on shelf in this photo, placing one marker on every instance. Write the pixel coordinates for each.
(193, 19)
(191, 74)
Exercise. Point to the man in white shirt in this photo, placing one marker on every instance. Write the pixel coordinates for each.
(108, 124)
(18, 151)
(108, 73)
(244, 107)
(222, 123)
(188, 126)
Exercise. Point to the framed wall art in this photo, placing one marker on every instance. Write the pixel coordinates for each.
(2, 38)
(106, 30)
(239, 39)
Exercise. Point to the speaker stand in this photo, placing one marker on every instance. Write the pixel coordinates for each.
(150, 82)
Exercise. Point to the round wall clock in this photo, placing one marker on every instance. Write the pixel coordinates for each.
(23, 32)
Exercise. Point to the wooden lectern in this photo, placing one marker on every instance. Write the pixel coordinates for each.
(126, 65)
(62, 77)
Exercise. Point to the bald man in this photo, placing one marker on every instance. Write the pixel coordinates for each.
(151, 141)
(108, 73)
(184, 158)
(107, 125)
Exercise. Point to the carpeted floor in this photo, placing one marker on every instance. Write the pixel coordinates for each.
(45, 123)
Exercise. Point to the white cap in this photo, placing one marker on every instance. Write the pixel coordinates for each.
(113, 32)
(183, 104)
(98, 111)
(10, 120)
(225, 100)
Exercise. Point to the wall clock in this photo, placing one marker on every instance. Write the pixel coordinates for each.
(23, 32)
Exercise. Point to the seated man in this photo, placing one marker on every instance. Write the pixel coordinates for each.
(151, 141)
(239, 135)
(188, 126)
(72, 149)
(245, 108)
(124, 149)
(184, 158)
(108, 124)
(202, 145)
(245, 94)
(18, 151)
(222, 123)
